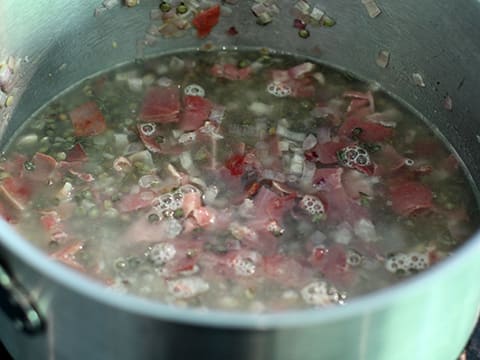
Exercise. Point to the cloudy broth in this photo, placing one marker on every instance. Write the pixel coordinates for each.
(242, 180)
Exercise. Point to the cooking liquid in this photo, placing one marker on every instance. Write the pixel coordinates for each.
(235, 180)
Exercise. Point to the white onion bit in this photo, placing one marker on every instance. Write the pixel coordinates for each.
(383, 58)
(372, 8)
(418, 80)
(448, 103)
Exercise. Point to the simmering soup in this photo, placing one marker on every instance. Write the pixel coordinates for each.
(241, 180)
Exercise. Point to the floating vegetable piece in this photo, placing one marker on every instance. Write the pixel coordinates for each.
(205, 20)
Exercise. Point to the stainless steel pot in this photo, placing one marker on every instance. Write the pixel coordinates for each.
(66, 316)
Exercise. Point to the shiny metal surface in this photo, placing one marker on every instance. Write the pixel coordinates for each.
(65, 42)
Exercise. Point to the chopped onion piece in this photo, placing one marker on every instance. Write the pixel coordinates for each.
(448, 103)
(3, 99)
(147, 181)
(109, 4)
(342, 234)
(319, 77)
(144, 157)
(308, 173)
(217, 113)
(186, 161)
(303, 7)
(164, 82)
(296, 164)
(365, 230)
(259, 108)
(317, 14)
(292, 135)
(269, 174)
(383, 58)
(5, 75)
(135, 84)
(210, 195)
(372, 8)
(418, 80)
(309, 142)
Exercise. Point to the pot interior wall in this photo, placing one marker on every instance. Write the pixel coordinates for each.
(64, 42)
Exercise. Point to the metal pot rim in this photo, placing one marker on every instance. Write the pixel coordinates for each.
(376, 300)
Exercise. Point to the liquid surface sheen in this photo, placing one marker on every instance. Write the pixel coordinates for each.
(241, 181)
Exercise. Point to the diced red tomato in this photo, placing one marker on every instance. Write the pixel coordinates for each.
(236, 164)
(161, 105)
(410, 197)
(205, 20)
(133, 202)
(195, 112)
(88, 120)
(369, 131)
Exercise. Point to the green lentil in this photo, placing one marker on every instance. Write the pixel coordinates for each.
(181, 8)
(165, 6)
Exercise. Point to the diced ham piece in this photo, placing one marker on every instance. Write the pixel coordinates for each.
(77, 153)
(44, 166)
(333, 264)
(52, 223)
(204, 216)
(368, 131)
(67, 255)
(191, 201)
(195, 112)
(17, 191)
(161, 105)
(88, 120)
(356, 183)
(388, 160)
(340, 206)
(325, 153)
(410, 197)
(133, 202)
(230, 72)
(271, 206)
(14, 165)
(8, 213)
(205, 20)
(287, 271)
(299, 71)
